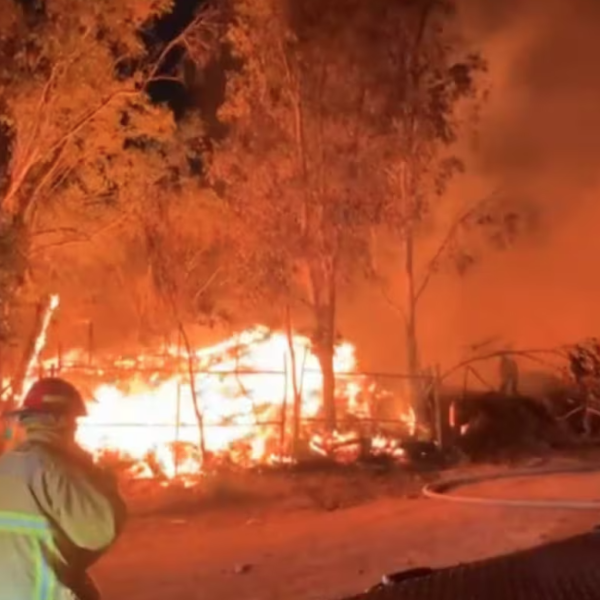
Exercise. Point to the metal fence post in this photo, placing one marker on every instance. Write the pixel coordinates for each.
(284, 407)
(177, 427)
(439, 409)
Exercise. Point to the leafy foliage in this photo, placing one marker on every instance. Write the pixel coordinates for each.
(428, 89)
(68, 108)
(496, 223)
(86, 149)
(341, 123)
(182, 241)
(12, 261)
(298, 165)
(296, 159)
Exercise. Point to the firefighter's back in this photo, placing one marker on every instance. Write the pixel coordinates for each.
(26, 534)
(59, 512)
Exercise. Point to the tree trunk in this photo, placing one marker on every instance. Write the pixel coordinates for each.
(194, 394)
(324, 349)
(418, 397)
(297, 407)
(325, 356)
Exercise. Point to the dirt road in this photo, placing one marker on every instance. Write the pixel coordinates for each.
(310, 554)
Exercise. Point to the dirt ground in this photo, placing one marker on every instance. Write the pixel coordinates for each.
(304, 543)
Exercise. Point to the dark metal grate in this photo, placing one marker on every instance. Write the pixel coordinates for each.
(566, 570)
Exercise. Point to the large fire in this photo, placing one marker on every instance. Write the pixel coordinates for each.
(244, 388)
(236, 406)
(241, 387)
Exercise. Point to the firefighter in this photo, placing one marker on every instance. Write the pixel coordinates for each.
(59, 512)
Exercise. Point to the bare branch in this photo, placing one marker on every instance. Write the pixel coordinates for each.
(55, 230)
(206, 18)
(50, 174)
(530, 354)
(433, 264)
(33, 137)
(8, 200)
(28, 155)
(168, 79)
(78, 235)
(427, 10)
(393, 305)
(479, 377)
(207, 284)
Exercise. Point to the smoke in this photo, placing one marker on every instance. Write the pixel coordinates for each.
(540, 135)
(544, 112)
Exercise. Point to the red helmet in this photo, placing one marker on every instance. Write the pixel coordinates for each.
(52, 395)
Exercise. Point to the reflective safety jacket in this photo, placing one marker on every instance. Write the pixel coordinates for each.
(58, 514)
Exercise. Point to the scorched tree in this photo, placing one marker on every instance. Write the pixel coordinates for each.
(297, 163)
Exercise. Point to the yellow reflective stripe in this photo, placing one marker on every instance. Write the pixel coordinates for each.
(38, 570)
(45, 581)
(24, 524)
(39, 531)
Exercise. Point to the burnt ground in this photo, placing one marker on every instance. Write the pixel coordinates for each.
(318, 535)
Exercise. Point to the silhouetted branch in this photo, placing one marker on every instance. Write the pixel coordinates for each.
(529, 354)
(205, 19)
(433, 264)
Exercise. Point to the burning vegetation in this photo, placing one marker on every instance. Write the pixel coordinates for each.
(246, 413)
(239, 407)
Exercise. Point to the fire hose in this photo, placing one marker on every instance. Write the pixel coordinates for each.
(442, 489)
(466, 578)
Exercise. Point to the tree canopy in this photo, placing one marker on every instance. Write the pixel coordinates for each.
(340, 124)
(87, 151)
(299, 161)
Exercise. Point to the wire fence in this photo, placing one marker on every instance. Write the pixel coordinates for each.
(172, 398)
(244, 398)
(241, 413)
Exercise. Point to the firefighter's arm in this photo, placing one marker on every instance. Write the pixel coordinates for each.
(85, 506)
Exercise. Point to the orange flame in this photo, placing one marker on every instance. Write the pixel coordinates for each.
(244, 387)
(40, 341)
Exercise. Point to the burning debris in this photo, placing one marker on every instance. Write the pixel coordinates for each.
(353, 446)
